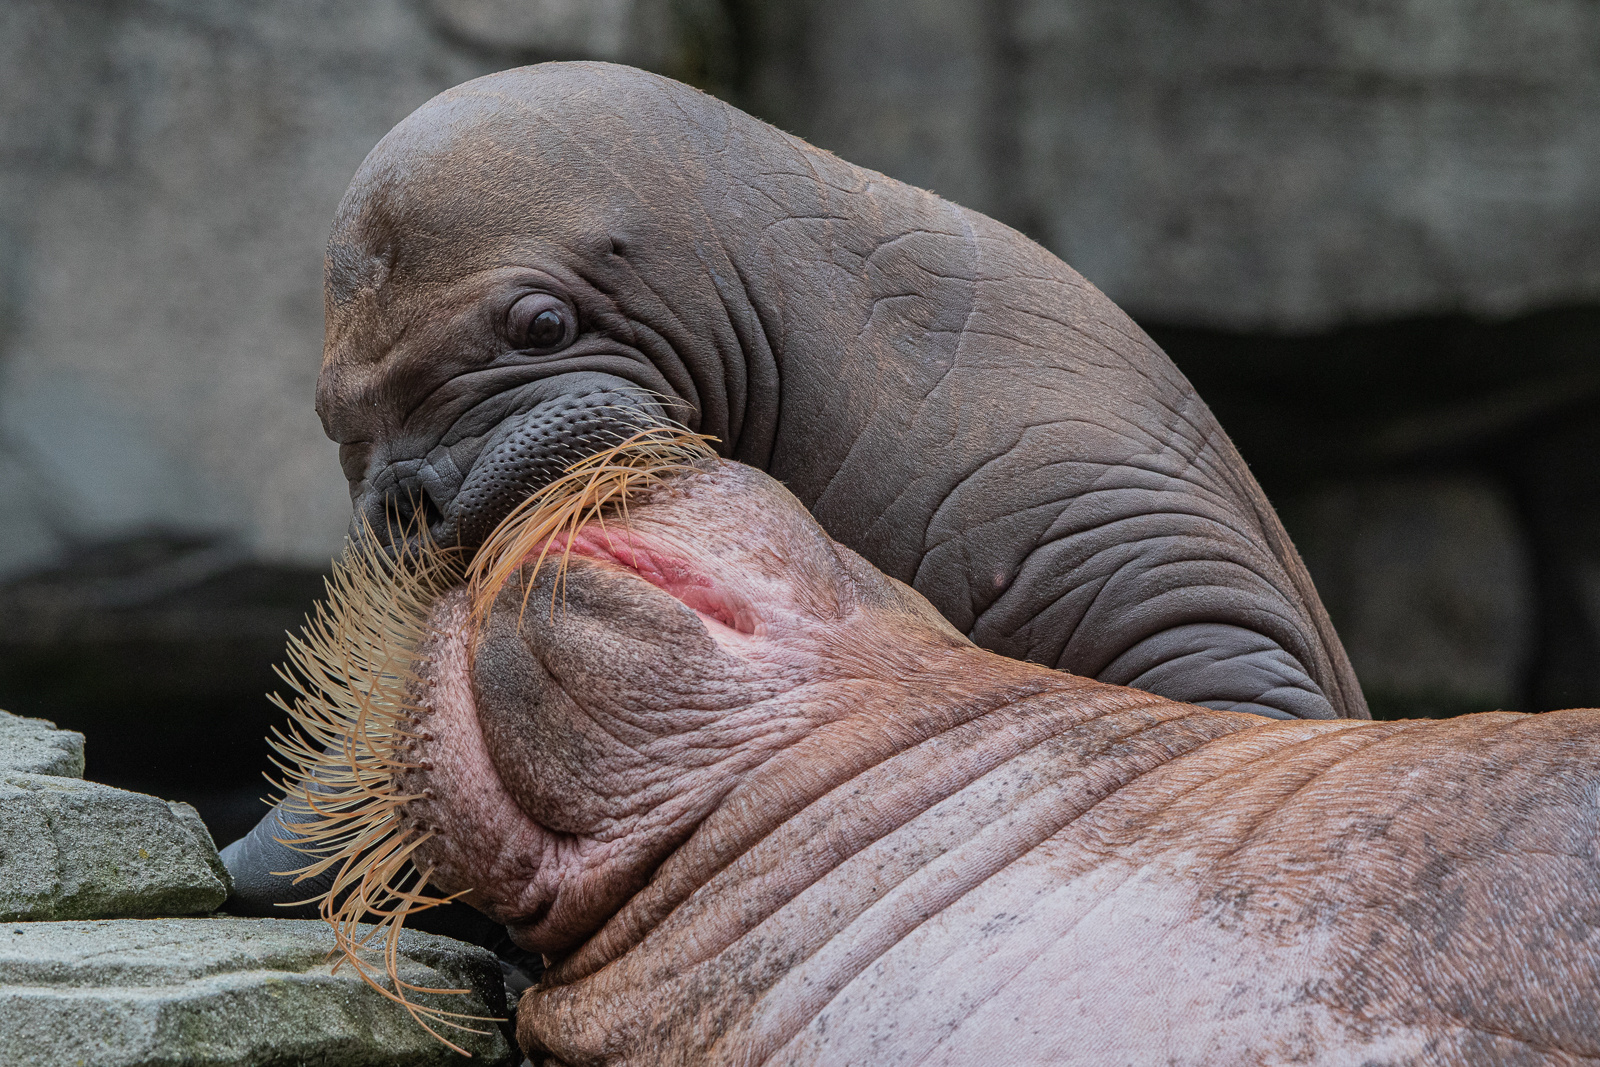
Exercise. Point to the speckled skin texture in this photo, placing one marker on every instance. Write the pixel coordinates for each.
(761, 804)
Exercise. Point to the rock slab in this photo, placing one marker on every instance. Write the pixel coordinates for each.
(34, 746)
(71, 849)
(226, 992)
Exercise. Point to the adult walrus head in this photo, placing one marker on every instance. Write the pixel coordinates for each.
(539, 260)
(760, 803)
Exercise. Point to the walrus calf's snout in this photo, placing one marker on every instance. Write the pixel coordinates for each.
(758, 803)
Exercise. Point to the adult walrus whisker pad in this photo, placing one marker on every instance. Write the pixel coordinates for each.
(360, 707)
(757, 802)
(353, 727)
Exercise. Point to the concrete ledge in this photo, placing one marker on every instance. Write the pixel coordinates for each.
(34, 746)
(71, 849)
(226, 992)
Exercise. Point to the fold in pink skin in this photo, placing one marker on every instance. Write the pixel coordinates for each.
(624, 547)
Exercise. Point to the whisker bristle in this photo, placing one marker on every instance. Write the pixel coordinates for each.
(350, 672)
(587, 490)
(354, 713)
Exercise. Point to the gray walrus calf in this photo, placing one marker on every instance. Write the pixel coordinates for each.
(540, 259)
(761, 804)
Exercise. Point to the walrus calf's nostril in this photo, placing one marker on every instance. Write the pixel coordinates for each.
(459, 486)
(411, 510)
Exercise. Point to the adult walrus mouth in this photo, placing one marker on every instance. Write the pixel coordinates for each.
(761, 804)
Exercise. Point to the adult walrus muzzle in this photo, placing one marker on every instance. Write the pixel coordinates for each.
(760, 803)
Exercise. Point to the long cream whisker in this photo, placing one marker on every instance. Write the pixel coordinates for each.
(354, 715)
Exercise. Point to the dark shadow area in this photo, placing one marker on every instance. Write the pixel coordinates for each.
(1490, 427)
(160, 649)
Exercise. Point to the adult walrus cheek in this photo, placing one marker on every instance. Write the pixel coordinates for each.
(566, 742)
(493, 456)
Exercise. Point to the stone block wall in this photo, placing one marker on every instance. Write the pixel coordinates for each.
(1250, 164)
(111, 951)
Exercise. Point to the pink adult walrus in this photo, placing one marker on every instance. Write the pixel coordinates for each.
(760, 804)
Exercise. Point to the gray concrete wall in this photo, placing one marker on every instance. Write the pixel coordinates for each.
(1256, 164)
(168, 171)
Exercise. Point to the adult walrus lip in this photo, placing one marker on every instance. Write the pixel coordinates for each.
(761, 804)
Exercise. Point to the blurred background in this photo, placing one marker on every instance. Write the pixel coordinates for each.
(1368, 230)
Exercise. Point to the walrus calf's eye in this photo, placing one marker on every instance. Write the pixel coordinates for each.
(541, 322)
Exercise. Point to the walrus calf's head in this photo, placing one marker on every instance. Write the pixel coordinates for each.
(758, 803)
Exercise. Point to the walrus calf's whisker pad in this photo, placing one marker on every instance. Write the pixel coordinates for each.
(588, 488)
(356, 717)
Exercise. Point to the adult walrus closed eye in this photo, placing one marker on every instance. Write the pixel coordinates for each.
(521, 263)
(764, 805)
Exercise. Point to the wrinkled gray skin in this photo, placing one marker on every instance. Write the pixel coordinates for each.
(948, 398)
